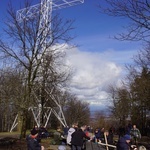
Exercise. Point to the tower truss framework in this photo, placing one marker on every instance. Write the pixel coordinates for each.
(44, 9)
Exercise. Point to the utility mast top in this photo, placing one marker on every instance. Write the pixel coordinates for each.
(46, 6)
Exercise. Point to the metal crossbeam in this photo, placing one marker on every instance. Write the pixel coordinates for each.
(56, 4)
(36, 111)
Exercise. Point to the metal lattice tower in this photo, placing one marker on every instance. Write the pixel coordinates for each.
(45, 9)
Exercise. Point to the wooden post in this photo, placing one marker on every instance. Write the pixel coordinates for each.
(106, 141)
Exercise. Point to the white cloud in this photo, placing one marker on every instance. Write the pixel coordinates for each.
(92, 74)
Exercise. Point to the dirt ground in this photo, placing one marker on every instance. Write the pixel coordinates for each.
(21, 144)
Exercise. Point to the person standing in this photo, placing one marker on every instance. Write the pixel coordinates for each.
(70, 132)
(97, 135)
(102, 135)
(77, 140)
(135, 134)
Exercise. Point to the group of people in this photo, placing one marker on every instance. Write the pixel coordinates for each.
(130, 139)
(76, 136)
(99, 135)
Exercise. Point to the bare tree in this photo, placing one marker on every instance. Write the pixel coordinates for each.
(142, 59)
(100, 120)
(26, 46)
(10, 96)
(136, 11)
(76, 110)
(138, 83)
(121, 104)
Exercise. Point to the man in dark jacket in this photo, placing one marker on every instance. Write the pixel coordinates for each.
(78, 138)
(123, 142)
(32, 141)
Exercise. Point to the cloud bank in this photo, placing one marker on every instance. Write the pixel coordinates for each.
(94, 72)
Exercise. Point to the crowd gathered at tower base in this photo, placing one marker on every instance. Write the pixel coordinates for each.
(76, 137)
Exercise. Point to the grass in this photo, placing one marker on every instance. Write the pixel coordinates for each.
(9, 134)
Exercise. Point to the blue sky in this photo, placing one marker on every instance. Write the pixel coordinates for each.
(91, 27)
(99, 61)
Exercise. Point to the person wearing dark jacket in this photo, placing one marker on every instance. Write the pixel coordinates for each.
(32, 141)
(97, 135)
(123, 142)
(77, 140)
